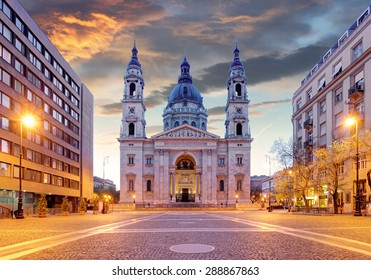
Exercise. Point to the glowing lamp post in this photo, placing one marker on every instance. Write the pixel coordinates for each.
(28, 121)
(357, 212)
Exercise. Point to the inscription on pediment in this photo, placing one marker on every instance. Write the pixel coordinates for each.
(185, 133)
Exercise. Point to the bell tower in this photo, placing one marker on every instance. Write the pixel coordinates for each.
(133, 121)
(237, 121)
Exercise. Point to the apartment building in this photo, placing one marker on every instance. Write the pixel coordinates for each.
(338, 86)
(35, 79)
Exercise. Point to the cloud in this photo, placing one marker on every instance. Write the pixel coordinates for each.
(269, 103)
(216, 111)
(109, 109)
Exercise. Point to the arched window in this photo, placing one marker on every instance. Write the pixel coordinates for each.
(185, 122)
(221, 185)
(132, 89)
(131, 129)
(131, 185)
(239, 185)
(239, 129)
(166, 125)
(193, 124)
(238, 90)
(185, 91)
(203, 126)
(149, 185)
(176, 124)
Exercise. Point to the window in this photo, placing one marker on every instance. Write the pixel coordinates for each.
(33, 79)
(5, 146)
(239, 160)
(131, 185)
(132, 89)
(239, 129)
(5, 54)
(239, 185)
(176, 124)
(33, 175)
(149, 185)
(338, 95)
(298, 104)
(238, 90)
(337, 69)
(341, 169)
(7, 11)
(5, 100)
(300, 123)
(5, 169)
(357, 51)
(322, 128)
(309, 94)
(7, 34)
(46, 160)
(221, 161)
(358, 80)
(20, 46)
(148, 161)
(321, 83)
(5, 77)
(57, 100)
(19, 66)
(338, 120)
(131, 160)
(131, 129)
(322, 106)
(4, 123)
(221, 185)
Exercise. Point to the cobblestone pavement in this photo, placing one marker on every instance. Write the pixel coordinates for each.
(244, 235)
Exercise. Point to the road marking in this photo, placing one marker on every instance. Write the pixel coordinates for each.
(340, 242)
(171, 230)
(25, 248)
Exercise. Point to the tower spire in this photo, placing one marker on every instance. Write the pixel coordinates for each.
(134, 55)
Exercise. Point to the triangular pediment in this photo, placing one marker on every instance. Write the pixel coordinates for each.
(185, 131)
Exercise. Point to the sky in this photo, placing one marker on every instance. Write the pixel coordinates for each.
(279, 42)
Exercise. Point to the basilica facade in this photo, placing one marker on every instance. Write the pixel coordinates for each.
(185, 163)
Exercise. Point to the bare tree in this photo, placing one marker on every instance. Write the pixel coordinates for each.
(330, 162)
(292, 157)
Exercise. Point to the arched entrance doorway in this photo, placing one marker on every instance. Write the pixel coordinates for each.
(185, 179)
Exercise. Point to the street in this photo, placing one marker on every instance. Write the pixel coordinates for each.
(187, 235)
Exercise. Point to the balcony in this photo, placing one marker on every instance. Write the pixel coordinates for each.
(308, 124)
(308, 144)
(356, 90)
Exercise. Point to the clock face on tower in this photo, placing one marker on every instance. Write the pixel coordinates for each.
(131, 110)
(239, 110)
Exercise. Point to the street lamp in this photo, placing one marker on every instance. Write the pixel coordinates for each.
(133, 198)
(236, 198)
(350, 122)
(28, 121)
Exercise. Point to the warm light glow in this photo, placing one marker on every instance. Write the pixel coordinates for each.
(236, 195)
(133, 196)
(350, 121)
(28, 121)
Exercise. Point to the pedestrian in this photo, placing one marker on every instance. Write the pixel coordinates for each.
(341, 207)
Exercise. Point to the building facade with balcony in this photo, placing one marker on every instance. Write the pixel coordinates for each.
(337, 87)
(35, 79)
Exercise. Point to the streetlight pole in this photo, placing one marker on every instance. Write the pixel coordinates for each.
(357, 211)
(269, 182)
(29, 121)
(20, 196)
(358, 197)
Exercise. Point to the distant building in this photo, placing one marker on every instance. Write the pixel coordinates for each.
(100, 183)
(256, 186)
(36, 79)
(185, 162)
(338, 86)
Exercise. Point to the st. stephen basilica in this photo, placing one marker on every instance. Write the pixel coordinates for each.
(185, 163)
